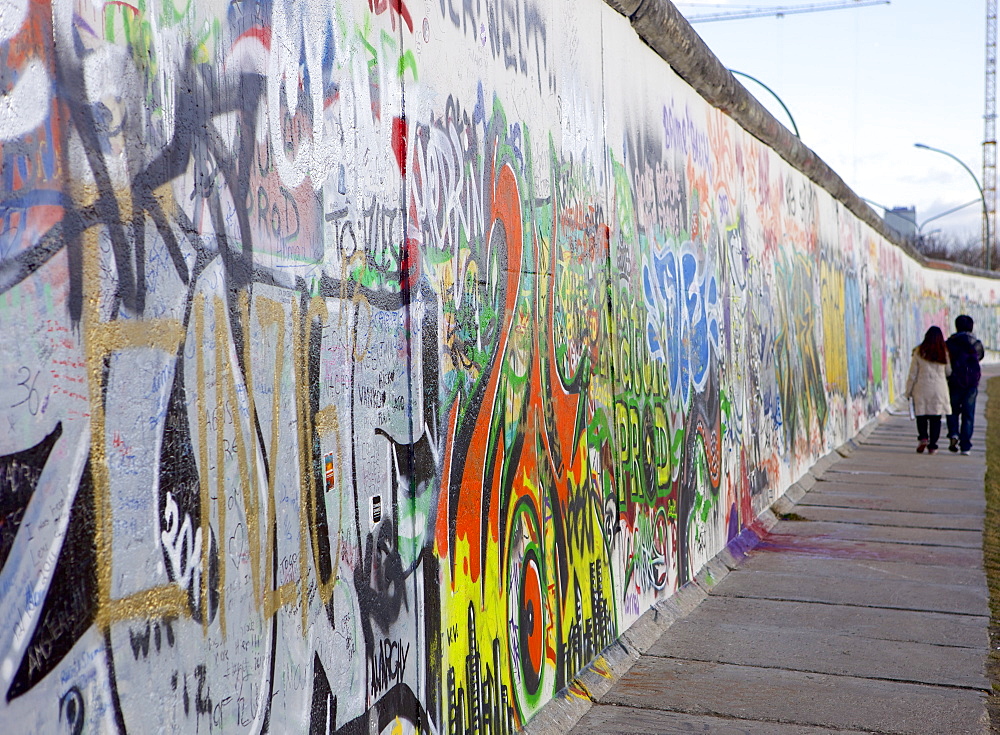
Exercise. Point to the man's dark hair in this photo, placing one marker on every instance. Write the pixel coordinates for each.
(963, 323)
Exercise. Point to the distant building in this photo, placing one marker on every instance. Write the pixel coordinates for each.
(903, 220)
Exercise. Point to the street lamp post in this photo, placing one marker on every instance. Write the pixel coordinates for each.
(945, 214)
(795, 127)
(987, 242)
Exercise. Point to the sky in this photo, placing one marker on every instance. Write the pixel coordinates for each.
(864, 84)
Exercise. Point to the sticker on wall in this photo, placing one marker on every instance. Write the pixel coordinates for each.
(376, 509)
(328, 467)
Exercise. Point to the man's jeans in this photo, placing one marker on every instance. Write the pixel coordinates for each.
(962, 416)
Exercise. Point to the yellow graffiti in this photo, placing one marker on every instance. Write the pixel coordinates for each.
(834, 335)
(270, 314)
(205, 502)
(100, 340)
(224, 390)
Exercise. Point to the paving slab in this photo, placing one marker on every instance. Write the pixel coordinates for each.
(885, 441)
(889, 435)
(915, 499)
(903, 445)
(618, 720)
(884, 624)
(870, 570)
(823, 700)
(895, 432)
(892, 484)
(874, 550)
(880, 448)
(869, 477)
(904, 461)
(926, 498)
(900, 595)
(927, 501)
(908, 519)
(860, 531)
(824, 652)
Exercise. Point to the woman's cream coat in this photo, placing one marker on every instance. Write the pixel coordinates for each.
(927, 385)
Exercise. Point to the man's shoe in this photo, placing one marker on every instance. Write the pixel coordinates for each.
(952, 443)
(921, 446)
(931, 451)
(965, 452)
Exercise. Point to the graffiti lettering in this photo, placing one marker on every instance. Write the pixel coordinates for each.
(388, 665)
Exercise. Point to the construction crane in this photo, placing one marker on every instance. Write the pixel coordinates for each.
(990, 137)
(780, 12)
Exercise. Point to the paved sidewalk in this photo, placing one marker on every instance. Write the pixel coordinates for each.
(870, 615)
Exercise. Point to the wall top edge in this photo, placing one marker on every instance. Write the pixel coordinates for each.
(662, 27)
(948, 265)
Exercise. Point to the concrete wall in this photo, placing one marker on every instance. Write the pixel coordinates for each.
(374, 364)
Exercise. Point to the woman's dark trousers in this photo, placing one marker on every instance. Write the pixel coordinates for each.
(929, 429)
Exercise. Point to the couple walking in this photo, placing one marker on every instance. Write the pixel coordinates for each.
(944, 379)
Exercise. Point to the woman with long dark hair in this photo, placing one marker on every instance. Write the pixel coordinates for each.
(927, 387)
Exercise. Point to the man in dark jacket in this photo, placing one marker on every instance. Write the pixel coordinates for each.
(965, 352)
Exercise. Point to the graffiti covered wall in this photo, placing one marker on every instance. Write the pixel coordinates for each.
(371, 365)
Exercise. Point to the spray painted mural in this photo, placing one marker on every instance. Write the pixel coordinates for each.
(373, 365)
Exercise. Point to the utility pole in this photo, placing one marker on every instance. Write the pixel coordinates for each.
(990, 137)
